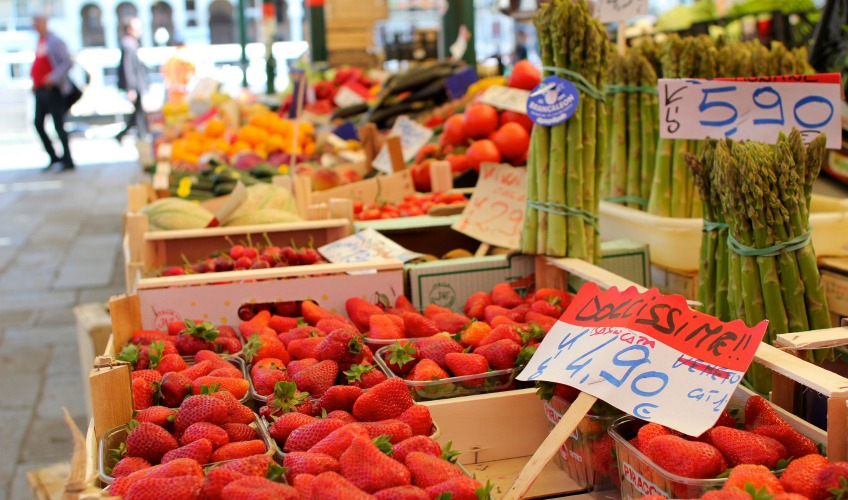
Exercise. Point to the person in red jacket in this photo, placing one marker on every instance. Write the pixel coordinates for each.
(51, 86)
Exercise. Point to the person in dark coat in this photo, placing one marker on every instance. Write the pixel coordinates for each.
(51, 86)
(132, 78)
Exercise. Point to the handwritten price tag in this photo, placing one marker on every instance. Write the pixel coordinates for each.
(698, 109)
(495, 212)
(363, 246)
(506, 98)
(611, 11)
(413, 137)
(647, 354)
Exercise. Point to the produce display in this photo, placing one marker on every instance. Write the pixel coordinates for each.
(412, 206)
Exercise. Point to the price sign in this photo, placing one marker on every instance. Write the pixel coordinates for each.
(363, 246)
(648, 355)
(753, 110)
(506, 98)
(495, 212)
(413, 137)
(346, 97)
(611, 11)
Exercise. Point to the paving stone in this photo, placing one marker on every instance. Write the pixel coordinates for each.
(58, 233)
(12, 281)
(49, 439)
(19, 391)
(45, 258)
(7, 254)
(101, 294)
(64, 360)
(17, 318)
(56, 316)
(57, 335)
(26, 299)
(13, 427)
(19, 488)
(62, 390)
(21, 359)
(101, 224)
(80, 275)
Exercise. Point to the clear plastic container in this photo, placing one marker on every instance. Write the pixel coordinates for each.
(238, 363)
(451, 387)
(113, 438)
(261, 400)
(586, 455)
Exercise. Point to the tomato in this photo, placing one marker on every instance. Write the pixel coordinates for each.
(357, 206)
(524, 76)
(480, 120)
(459, 163)
(370, 214)
(454, 131)
(521, 160)
(421, 176)
(512, 141)
(519, 118)
(428, 151)
(484, 151)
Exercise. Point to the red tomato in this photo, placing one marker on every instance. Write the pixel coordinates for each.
(428, 151)
(454, 131)
(512, 141)
(421, 176)
(370, 214)
(357, 206)
(480, 120)
(519, 118)
(524, 76)
(484, 151)
(459, 163)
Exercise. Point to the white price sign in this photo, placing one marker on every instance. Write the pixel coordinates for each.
(495, 212)
(413, 137)
(755, 110)
(611, 11)
(506, 98)
(363, 246)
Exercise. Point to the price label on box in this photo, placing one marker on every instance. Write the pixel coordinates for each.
(754, 110)
(648, 355)
(611, 11)
(495, 212)
(364, 246)
(413, 137)
(506, 98)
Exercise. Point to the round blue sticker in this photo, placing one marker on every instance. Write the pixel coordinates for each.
(553, 101)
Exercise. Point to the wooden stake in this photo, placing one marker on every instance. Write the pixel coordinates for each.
(482, 250)
(341, 208)
(125, 311)
(303, 193)
(111, 394)
(137, 197)
(551, 445)
(441, 177)
(396, 154)
(622, 40)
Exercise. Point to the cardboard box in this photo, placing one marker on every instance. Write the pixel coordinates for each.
(673, 281)
(834, 274)
(425, 234)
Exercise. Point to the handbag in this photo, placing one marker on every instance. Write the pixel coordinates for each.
(73, 96)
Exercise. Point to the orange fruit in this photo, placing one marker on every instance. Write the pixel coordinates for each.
(214, 128)
(274, 143)
(252, 134)
(239, 146)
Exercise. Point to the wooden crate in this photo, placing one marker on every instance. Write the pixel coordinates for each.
(94, 328)
(349, 39)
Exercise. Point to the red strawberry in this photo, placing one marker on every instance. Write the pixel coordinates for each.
(505, 296)
(201, 408)
(128, 465)
(142, 394)
(196, 337)
(340, 345)
(335, 487)
(433, 310)
(370, 469)
(226, 331)
(388, 399)
(381, 327)
(227, 345)
(303, 484)
(745, 476)
(493, 311)
(563, 299)
(542, 321)
(304, 438)
(419, 420)
(759, 412)
(266, 377)
(335, 443)
(502, 321)
(417, 326)
(175, 327)
(428, 470)
(227, 372)
(149, 376)
(254, 465)
(312, 312)
(238, 387)
(236, 412)
(239, 432)
(427, 370)
(475, 306)
(317, 378)
(299, 333)
(360, 312)
(743, 447)
(461, 363)
(261, 347)
(461, 488)
(212, 357)
(832, 481)
(178, 488)
(302, 462)
(344, 416)
(401, 357)
(198, 370)
(173, 388)
(250, 328)
(287, 398)
(240, 449)
(364, 375)
(149, 441)
(800, 475)
(797, 445)
(396, 430)
(328, 325)
(422, 444)
(304, 348)
(436, 348)
(338, 397)
(216, 435)
(501, 355)
(171, 363)
(200, 450)
(298, 365)
(281, 324)
(145, 337)
(713, 495)
(287, 423)
(450, 322)
(403, 304)
(547, 308)
(651, 430)
(216, 480)
(257, 488)
(603, 458)
(686, 458)
(402, 493)
(180, 468)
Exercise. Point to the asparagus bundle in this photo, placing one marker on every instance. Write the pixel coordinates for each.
(767, 264)
(563, 179)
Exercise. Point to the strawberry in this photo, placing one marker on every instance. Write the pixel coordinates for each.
(789, 496)
(128, 465)
(304, 438)
(317, 378)
(360, 312)
(713, 495)
(240, 449)
(303, 462)
(502, 321)
(200, 450)
(505, 296)
(142, 394)
(180, 468)
(450, 322)
(427, 370)
(171, 363)
(756, 476)
(304, 348)
(200, 408)
(370, 469)
(328, 325)
(281, 324)
(212, 357)
(226, 331)
(364, 376)
(562, 298)
(542, 321)
(227, 345)
(238, 387)
(338, 397)
(419, 420)
(239, 432)
(298, 333)
(433, 310)
(173, 388)
(603, 458)
(261, 347)
(312, 312)
(396, 430)
(493, 311)
(402, 493)
(428, 470)
(216, 435)
(832, 481)
(344, 416)
(149, 441)
(461, 363)
(797, 445)
(501, 355)
(178, 488)
(743, 447)
(250, 328)
(254, 465)
(228, 372)
(759, 412)
(175, 327)
(236, 412)
(422, 444)
(149, 376)
(474, 333)
(196, 337)
(340, 345)
(386, 400)
(800, 475)
(403, 304)
(303, 484)
(335, 443)
(437, 347)
(287, 423)
(298, 365)
(146, 337)
(335, 487)
(476, 304)
(417, 326)
(401, 357)
(686, 458)
(287, 398)
(216, 480)
(265, 378)
(502, 332)
(461, 488)
(652, 430)
(258, 488)
(198, 370)
(381, 327)
(548, 308)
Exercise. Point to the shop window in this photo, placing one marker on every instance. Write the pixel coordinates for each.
(92, 26)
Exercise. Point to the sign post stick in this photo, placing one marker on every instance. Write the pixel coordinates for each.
(550, 445)
(621, 38)
(482, 250)
(396, 154)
